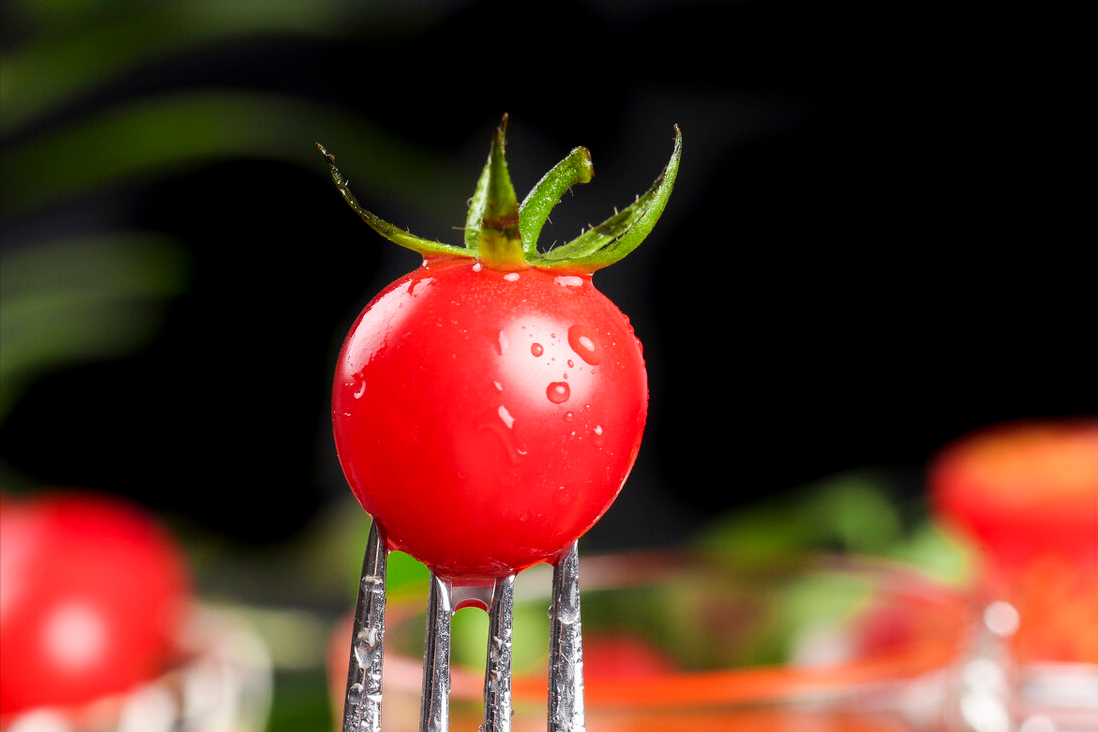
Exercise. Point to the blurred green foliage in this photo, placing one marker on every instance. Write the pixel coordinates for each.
(853, 513)
(71, 49)
(69, 300)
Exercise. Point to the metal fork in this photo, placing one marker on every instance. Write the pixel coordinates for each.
(362, 704)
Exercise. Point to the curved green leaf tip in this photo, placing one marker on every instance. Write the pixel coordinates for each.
(503, 234)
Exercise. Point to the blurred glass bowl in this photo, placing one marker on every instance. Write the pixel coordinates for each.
(223, 684)
(674, 642)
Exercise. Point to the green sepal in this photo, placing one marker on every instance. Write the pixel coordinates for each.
(503, 235)
(393, 233)
(535, 208)
(620, 234)
(492, 224)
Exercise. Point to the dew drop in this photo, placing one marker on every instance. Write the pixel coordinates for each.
(584, 345)
(362, 653)
(568, 417)
(354, 694)
(360, 386)
(506, 416)
(558, 392)
(598, 438)
(511, 276)
(536, 349)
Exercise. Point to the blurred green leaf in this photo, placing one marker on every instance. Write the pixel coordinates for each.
(76, 300)
(850, 512)
(300, 704)
(84, 44)
(157, 136)
(938, 552)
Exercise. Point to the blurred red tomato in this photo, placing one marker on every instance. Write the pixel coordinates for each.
(92, 592)
(1023, 489)
(622, 656)
(1027, 492)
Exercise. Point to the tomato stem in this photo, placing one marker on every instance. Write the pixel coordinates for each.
(493, 219)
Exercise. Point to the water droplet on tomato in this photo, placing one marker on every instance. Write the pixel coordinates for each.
(584, 345)
(569, 281)
(568, 417)
(598, 438)
(360, 386)
(499, 386)
(505, 416)
(571, 363)
(536, 349)
(558, 392)
(511, 276)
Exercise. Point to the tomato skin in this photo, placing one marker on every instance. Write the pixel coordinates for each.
(486, 419)
(91, 596)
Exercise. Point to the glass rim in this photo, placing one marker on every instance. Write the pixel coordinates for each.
(755, 684)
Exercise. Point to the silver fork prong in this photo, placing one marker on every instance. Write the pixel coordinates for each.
(435, 703)
(497, 675)
(362, 704)
(566, 713)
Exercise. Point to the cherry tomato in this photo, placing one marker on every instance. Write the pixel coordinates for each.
(1023, 488)
(488, 407)
(485, 418)
(92, 592)
(623, 655)
(1027, 493)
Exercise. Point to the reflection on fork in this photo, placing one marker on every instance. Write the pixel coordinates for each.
(362, 705)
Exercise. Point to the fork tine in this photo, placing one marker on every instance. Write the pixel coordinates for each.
(362, 705)
(566, 713)
(435, 703)
(497, 675)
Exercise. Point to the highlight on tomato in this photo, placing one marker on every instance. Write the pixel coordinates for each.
(488, 406)
(93, 592)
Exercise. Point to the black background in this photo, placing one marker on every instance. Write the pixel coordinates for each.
(876, 243)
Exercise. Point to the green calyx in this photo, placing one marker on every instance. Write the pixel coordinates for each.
(503, 234)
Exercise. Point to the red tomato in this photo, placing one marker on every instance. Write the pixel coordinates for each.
(1023, 488)
(487, 418)
(91, 595)
(623, 656)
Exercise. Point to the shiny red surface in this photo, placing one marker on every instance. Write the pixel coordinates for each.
(92, 592)
(486, 419)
